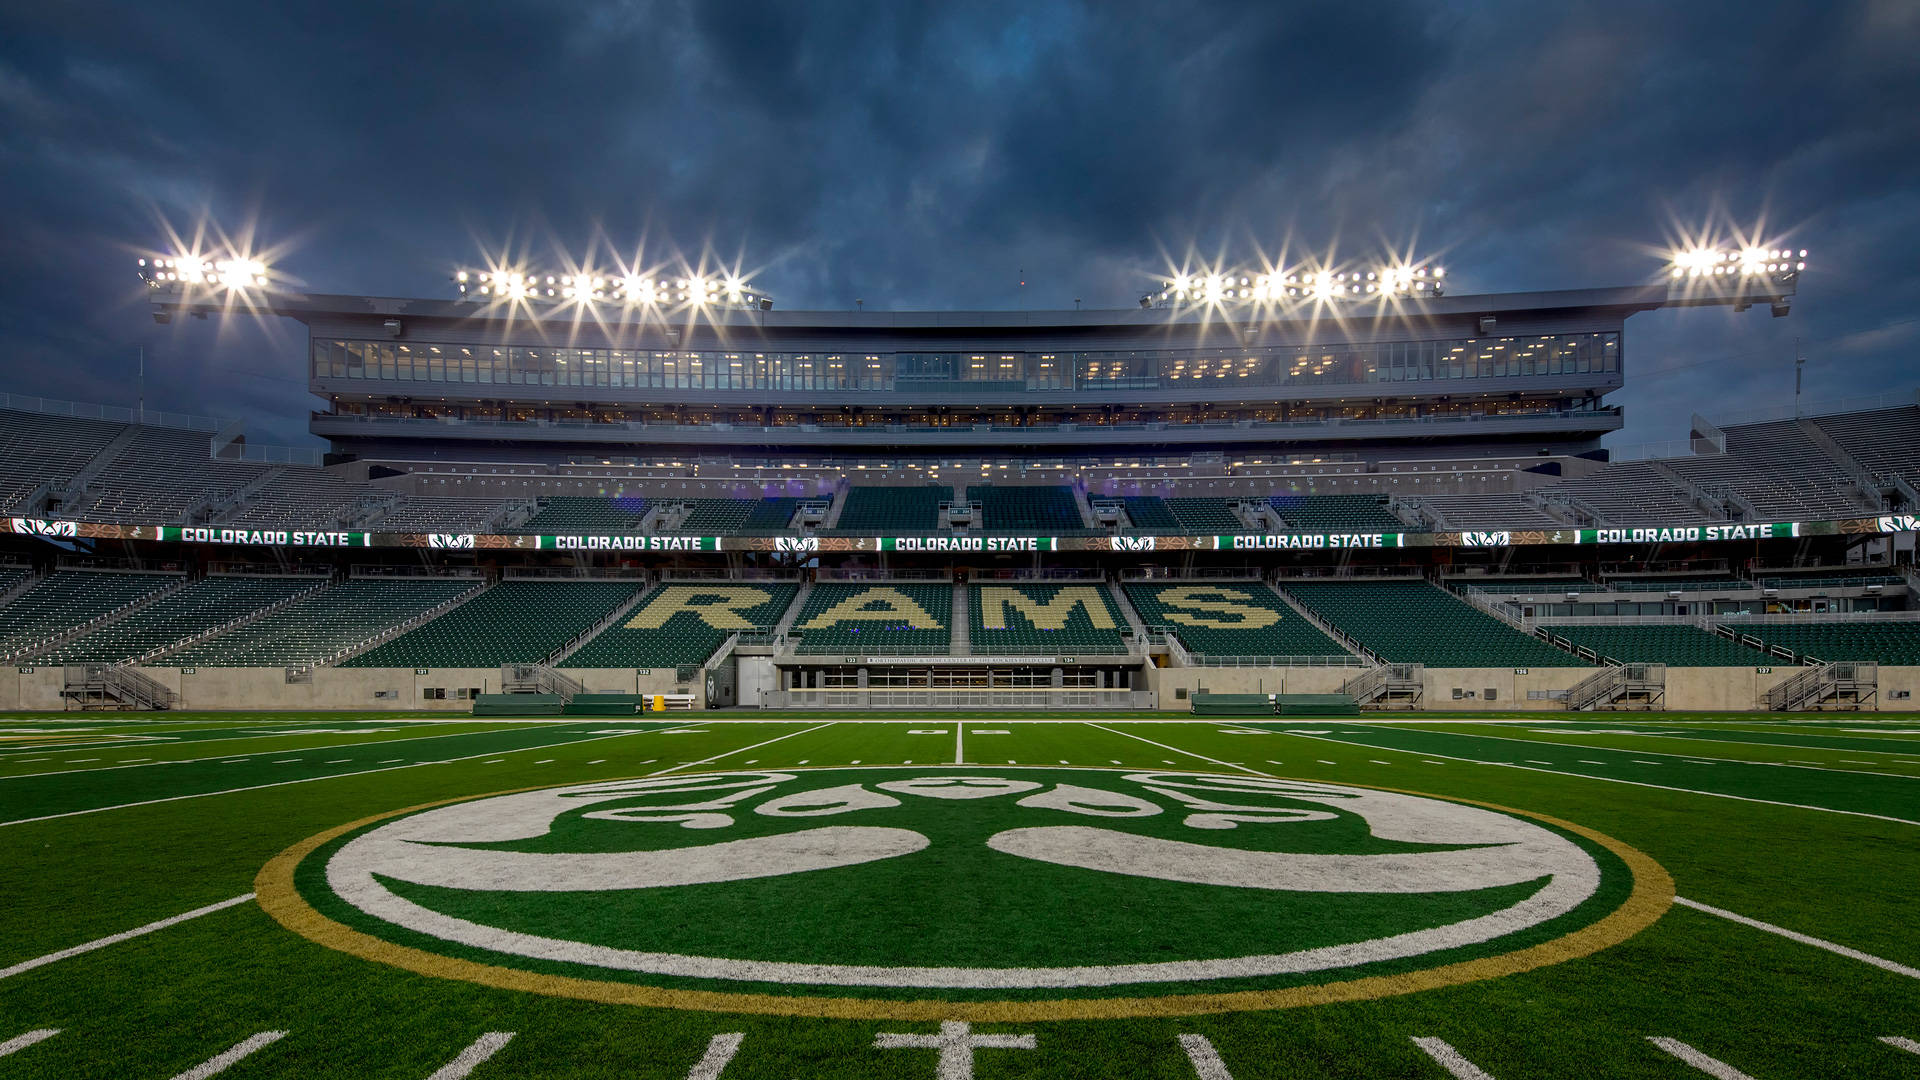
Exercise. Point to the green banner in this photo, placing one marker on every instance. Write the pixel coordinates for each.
(1306, 541)
(986, 544)
(630, 542)
(216, 534)
(1691, 534)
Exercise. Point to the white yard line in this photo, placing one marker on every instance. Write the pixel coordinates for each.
(1838, 950)
(471, 1058)
(1177, 750)
(1692, 759)
(1450, 1059)
(302, 780)
(147, 763)
(21, 1042)
(219, 1062)
(1615, 780)
(1206, 1060)
(124, 935)
(959, 744)
(1713, 1067)
(744, 749)
(1894, 1041)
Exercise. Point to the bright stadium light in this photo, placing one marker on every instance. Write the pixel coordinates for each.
(182, 273)
(626, 287)
(1776, 264)
(1279, 286)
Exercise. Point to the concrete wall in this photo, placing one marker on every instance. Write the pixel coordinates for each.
(1166, 682)
(37, 688)
(1508, 685)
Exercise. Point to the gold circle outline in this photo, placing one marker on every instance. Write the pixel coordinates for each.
(1650, 898)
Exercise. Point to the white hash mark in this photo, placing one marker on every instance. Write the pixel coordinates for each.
(21, 1042)
(956, 1043)
(1450, 1059)
(471, 1058)
(1712, 1066)
(218, 1063)
(720, 1051)
(1206, 1060)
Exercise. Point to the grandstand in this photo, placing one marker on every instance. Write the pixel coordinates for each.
(882, 619)
(1045, 619)
(1239, 618)
(1315, 512)
(1414, 622)
(684, 623)
(39, 452)
(326, 624)
(69, 599)
(1885, 442)
(893, 509)
(1681, 646)
(582, 514)
(514, 622)
(206, 605)
(1022, 509)
(1893, 643)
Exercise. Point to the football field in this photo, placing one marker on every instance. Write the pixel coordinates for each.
(789, 897)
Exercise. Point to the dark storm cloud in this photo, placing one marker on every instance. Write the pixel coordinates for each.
(932, 155)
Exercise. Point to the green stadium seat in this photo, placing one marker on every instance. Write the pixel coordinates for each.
(514, 622)
(1676, 646)
(1333, 513)
(728, 517)
(1412, 622)
(586, 514)
(1237, 618)
(324, 624)
(886, 510)
(1891, 643)
(67, 599)
(1149, 513)
(205, 605)
(1047, 619)
(1047, 509)
(876, 619)
(682, 623)
(1206, 516)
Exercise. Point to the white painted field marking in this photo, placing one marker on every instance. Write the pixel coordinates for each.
(148, 762)
(991, 731)
(218, 1063)
(1695, 759)
(78, 760)
(1116, 761)
(601, 761)
(1433, 762)
(909, 761)
(959, 745)
(1377, 761)
(1206, 1060)
(744, 749)
(469, 1059)
(21, 1042)
(956, 1043)
(1712, 1066)
(1322, 761)
(1850, 761)
(1063, 761)
(391, 760)
(720, 1051)
(280, 783)
(855, 761)
(1644, 784)
(115, 939)
(1167, 761)
(803, 761)
(926, 731)
(1838, 950)
(1894, 1041)
(339, 761)
(1177, 750)
(751, 761)
(495, 761)
(1585, 761)
(1536, 761)
(1450, 1059)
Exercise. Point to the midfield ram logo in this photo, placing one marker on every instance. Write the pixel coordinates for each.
(994, 894)
(37, 527)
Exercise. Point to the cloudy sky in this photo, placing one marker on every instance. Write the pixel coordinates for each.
(923, 155)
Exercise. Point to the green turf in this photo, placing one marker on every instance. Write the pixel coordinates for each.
(160, 1004)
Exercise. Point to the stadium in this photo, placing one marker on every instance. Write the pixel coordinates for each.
(468, 744)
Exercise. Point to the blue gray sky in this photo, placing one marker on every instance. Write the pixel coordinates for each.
(937, 155)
